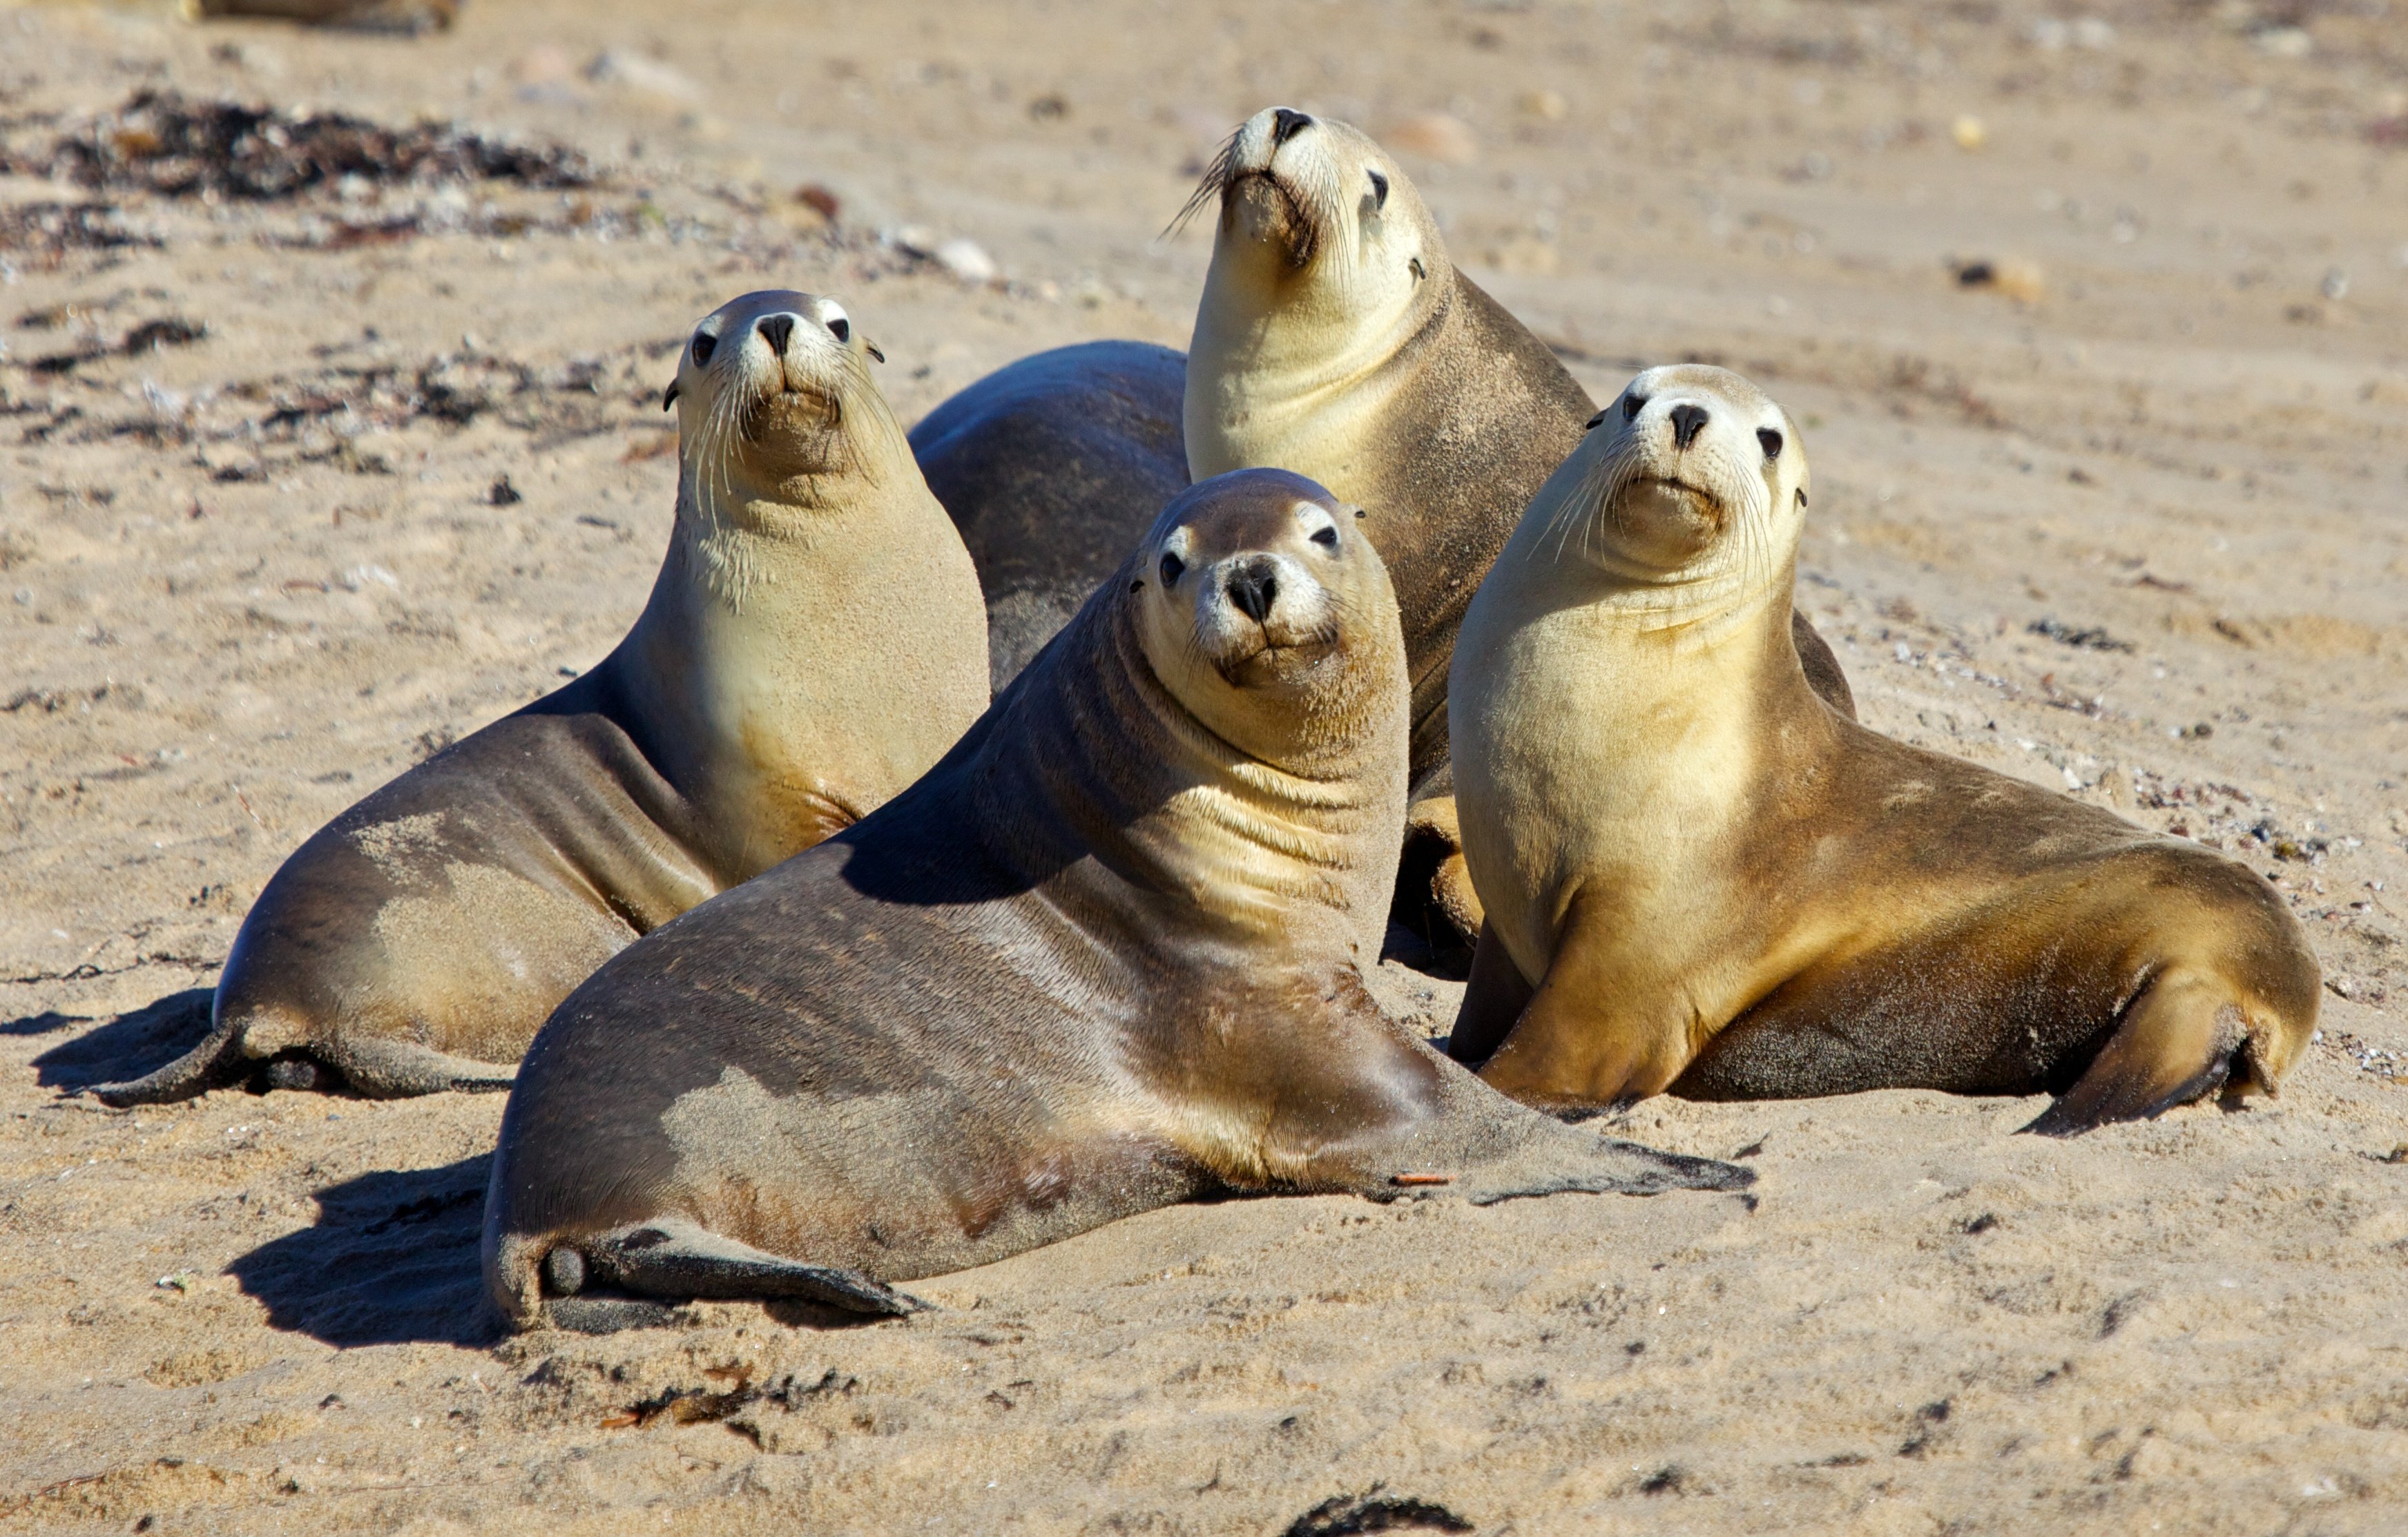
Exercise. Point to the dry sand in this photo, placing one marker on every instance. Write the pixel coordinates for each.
(245, 578)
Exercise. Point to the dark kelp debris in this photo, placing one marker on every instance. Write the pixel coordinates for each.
(163, 143)
(1342, 1515)
(2090, 638)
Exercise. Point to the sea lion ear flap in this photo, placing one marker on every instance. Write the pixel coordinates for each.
(1590, 425)
(871, 348)
(668, 397)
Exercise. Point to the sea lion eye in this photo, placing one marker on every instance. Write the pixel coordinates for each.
(1771, 441)
(840, 328)
(1326, 537)
(1172, 569)
(1379, 191)
(1632, 404)
(703, 344)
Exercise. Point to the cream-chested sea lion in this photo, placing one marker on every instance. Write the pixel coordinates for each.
(811, 587)
(1335, 339)
(1721, 886)
(1050, 468)
(1106, 957)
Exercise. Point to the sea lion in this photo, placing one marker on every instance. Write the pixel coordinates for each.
(1106, 957)
(416, 943)
(1335, 339)
(1700, 877)
(1050, 468)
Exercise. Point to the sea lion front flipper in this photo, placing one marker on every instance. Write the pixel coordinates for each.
(1580, 1045)
(670, 1256)
(381, 1068)
(1582, 1161)
(2175, 1043)
(1492, 1003)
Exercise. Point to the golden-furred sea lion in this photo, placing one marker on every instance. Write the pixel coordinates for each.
(1700, 877)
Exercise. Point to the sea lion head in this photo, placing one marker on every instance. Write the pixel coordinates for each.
(778, 419)
(1314, 213)
(1265, 611)
(1691, 472)
(773, 395)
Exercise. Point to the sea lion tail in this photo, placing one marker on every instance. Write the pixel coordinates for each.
(217, 1061)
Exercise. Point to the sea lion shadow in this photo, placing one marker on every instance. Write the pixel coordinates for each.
(123, 1048)
(392, 1260)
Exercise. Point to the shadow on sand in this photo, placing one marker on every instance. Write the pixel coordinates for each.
(390, 1260)
(125, 1047)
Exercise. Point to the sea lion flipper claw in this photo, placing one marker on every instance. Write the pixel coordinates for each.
(672, 1257)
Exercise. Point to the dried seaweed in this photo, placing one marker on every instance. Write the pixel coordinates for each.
(160, 142)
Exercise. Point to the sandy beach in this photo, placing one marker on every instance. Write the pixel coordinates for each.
(2096, 323)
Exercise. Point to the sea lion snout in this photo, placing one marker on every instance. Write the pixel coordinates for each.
(1247, 568)
(1695, 463)
(1255, 584)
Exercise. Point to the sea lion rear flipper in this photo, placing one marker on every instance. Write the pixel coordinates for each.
(2174, 1045)
(670, 1257)
(216, 1062)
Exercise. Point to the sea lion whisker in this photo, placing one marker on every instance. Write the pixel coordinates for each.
(1215, 180)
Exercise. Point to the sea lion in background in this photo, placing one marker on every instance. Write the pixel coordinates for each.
(415, 943)
(1334, 338)
(1700, 877)
(1050, 468)
(1106, 957)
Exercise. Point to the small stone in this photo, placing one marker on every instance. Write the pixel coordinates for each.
(1436, 135)
(2287, 42)
(543, 65)
(1546, 106)
(966, 259)
(1968, 133)
(647, 77)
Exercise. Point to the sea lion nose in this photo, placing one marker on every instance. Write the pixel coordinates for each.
(1287, 122)
(1253, 588)
(776, 330)
(1687, 422)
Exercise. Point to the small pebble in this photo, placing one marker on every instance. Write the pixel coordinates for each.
(966, 259)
